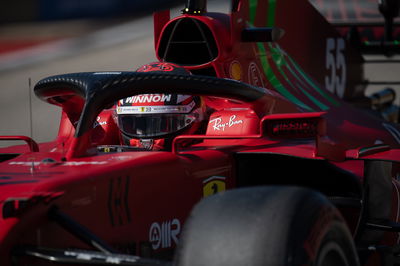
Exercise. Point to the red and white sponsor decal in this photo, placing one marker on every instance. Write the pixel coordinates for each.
(156, 104)
(219, 124)
(146, 98)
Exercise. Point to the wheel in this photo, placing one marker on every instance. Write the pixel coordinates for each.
(266, 226)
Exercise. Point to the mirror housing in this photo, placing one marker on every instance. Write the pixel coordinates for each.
(262, 34)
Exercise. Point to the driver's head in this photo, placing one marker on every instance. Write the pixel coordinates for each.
(151, 121)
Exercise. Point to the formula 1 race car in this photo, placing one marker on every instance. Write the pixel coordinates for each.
(293, 165)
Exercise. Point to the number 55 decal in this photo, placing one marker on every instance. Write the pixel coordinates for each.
(335, 81)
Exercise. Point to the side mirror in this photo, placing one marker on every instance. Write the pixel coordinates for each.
(262, 34)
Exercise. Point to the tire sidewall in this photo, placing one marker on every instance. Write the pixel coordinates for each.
(337, 234)
(283, 226)
(316, 224)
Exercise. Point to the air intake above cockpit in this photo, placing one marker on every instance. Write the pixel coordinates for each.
(187, 41)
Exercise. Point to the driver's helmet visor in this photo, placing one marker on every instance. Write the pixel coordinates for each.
(157, 117)
(153, 126)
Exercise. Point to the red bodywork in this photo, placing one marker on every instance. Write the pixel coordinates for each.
(299, 131)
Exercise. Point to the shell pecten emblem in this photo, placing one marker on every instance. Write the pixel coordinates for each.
(213, 185)
(235, 70)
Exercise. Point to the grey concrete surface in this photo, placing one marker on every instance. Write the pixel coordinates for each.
(122, 47)
(14, 84)
(387, 72)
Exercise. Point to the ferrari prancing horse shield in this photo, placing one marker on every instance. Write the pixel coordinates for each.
(213, 185)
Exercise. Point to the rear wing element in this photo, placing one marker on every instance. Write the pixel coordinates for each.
(372, 26)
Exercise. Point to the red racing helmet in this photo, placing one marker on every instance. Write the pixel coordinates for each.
(151, 121)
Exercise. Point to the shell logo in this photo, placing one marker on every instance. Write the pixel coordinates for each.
(235, 70)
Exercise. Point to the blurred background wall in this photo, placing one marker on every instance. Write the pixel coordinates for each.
(39, 10)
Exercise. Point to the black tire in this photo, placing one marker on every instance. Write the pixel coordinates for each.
(266, 226)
